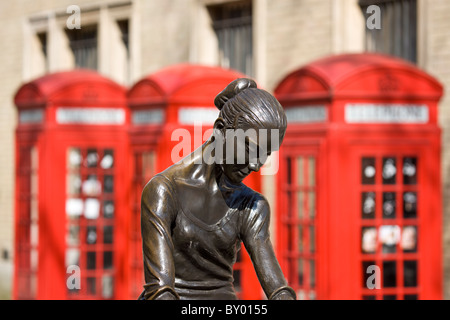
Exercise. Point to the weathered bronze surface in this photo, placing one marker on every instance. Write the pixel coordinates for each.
(196, 213)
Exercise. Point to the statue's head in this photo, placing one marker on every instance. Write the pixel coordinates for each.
(255, 123)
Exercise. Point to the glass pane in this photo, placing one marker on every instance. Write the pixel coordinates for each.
(108, 209)
(91, 286)
(368, 171)
(389, 297)
(409, 205)
(300, 172)
(91, 186)
(74, 158)
(366, 273)
(369, 239)
(73, 186)
(289, 170)
(91, 235)
(389, 274)
(300, 204)
(107, 161)
(72, 257)
(410, 170)
(73, 235)
(91, 208)
(91, 158)
(107, 260)
(389, 205)
(389, 170)
(91, 260)
(300, 272)
(107, 287)
(312, 239)
(312, 171)
(312, 272)
(300, 238)
(148, 169)
(312, 204)
(108, 234)
(368, 205)
(368, 298)
(389, 237)
(411, 297)
(409, 239)
(410, 273)
(108, 183)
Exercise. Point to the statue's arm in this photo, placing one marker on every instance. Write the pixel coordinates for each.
(158, 211)
(256, 239)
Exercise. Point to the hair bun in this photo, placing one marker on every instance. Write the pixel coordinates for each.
(233, 89)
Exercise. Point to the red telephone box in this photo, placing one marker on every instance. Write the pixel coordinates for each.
(70, 224)
(359, 186)
(171, 113)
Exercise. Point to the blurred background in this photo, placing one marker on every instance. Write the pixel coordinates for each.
(264, 39)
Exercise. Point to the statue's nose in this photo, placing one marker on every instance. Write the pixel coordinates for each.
(254, 166)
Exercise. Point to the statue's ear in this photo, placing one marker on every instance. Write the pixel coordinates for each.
(219, 124)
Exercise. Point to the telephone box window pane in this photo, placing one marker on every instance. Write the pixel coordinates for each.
(300, 238)
(389, 170)
(389, 274)
(289, 170)
(300, 205)
(74, 158)
(108, 209)
(108, 234)
(73, 236)
(410, 170)
(73, 184)
(300, 172)
(301, 271)
(312, 240)
(107, 161)
(91, 286)
(409, 205)
(368, 205)
(91, 158)
(389, 236)
(108, 183)
(389, 297)
(369, 239)
(312, 171)
(91, 208)
(107, 260)
(369, 298)
(91, 235)
(368, 171)
(411, 297)
(366, 273)
(312, 271)
(312, 204)
(388, 205)
(91, 186)
(410, 273)
(409, 239)
(72, 257)
(107, 287)
(91, 260)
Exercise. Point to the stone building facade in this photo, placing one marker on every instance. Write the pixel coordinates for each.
(133, 38)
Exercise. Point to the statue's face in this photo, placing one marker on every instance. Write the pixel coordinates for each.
(246, 150)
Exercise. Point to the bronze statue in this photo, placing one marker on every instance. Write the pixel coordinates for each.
(196, 213)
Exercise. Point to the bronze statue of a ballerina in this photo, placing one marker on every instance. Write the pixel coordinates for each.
(196, 213)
